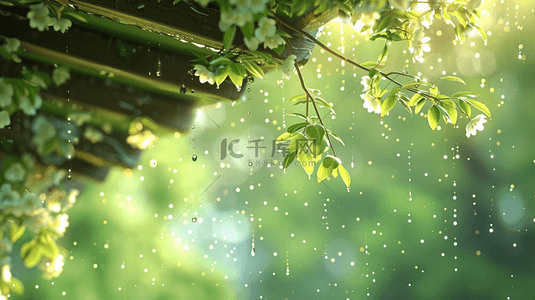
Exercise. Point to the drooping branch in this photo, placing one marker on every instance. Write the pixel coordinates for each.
(308, 94)
(323, 46)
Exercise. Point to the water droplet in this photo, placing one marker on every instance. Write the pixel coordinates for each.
(192, 126)
(194, 157)
(250, 79)
(309, 177)
(248, 89)
(69, 177)
(348, 189)
(192, 91)
(183, 89)
(194, 219)
(253, 252)
(238, 88)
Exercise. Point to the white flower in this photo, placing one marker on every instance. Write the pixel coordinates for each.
(38, 81)
(473, 5)
(8, 195)
(61, 24)
(12, 45)
(203, 3)
(371, 103)
(44, 131)
(475, 124)
(252, 43)
(93, 135)
(204, 74)
(61, 223)
(288, 66)
(26, 105)
(273, 42)
(60, 76)
(39, 17)
(30, 203)
(421, 45)
(53, 268)
(4, 119)
(367, 83)
(254, 6)
(236, 16)
(400, 4)
(15, 173)
(266, 28)
(6, 93)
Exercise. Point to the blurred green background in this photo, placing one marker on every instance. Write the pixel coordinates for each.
(430, 215)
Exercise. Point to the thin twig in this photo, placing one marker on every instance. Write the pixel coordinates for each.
(306, 34)
(308, 93)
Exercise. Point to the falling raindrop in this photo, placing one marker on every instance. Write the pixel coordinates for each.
(69, 177)
(192, 126)
(192, 91)
(253, 251)
(194, 157)
(250, 164)
(250, 79)
(183, 89)
(194, 219)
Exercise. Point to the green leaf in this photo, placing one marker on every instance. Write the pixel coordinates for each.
(449, 106)
(403, 101)
(49, 248)
(247, 30)
(15, 232)
(26, 248)
(220, 61)
(50, 146)
(444, 113)
(345, 175)
(384, 23)
(323, 102)
(288, 159)
(283, 34)
(298, 138)
(236, 73)
(279, 49)
(66, 148)
(297, 98)
(320, 148)
(384, 54)
(315, 132)
(222, 74)
(296, 127)
(388, 104)
(307, 161)
(415, 99)
(465, 107)
(419, 105)
(433, 117)
(369, 64)
(335, 136)
(284, 137)
(228, 37)
(16, 286)
(335, 173)
(433, 91)
(468, 94)
(76, 16)
(298, 115)
(452, 78)
(324, 171)
(254, 69)
(6, 3)
(411, 85)
(480, 30)
(33, 256)
(482, 107)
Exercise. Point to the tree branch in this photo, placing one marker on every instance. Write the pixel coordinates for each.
(306, 34)
(308, 94)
